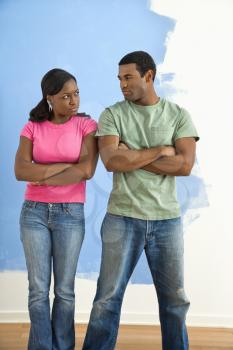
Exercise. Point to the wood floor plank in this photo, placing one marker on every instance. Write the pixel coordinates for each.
(14, 336)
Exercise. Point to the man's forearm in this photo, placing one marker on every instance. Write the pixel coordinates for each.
(129, 160)
(173, 165)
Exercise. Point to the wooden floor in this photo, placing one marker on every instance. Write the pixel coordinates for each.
(14, 337)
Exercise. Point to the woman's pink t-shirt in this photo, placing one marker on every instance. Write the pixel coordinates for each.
(58, 143)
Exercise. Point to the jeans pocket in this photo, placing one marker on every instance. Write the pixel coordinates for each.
(27, 206)
(76, 210)
(113, 228)
(26, 214)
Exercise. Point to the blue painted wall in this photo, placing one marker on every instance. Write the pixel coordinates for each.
(87, 38)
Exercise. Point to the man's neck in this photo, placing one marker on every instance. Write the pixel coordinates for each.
(148, 100)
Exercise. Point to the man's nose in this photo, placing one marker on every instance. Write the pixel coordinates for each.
(123, 84)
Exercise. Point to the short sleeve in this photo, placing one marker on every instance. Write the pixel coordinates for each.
(28, 130)
(106, 124)
(185, 127)
(89, 125)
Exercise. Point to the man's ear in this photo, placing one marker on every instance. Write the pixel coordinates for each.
(149, 75)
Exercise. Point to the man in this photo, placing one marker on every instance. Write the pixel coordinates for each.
(145, 141)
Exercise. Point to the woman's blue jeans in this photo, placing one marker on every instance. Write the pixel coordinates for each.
(52, 235)
(123, 241)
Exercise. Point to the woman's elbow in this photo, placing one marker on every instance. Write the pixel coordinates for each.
(23, 175)
(89, 173)
(18, 174)
(18, 178)
(20, 170)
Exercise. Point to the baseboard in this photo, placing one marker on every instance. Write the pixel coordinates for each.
(131, 318)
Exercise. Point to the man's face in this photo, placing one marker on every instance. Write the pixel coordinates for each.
(133, 86)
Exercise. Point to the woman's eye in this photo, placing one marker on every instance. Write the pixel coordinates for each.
(65, 97)
(76, 93)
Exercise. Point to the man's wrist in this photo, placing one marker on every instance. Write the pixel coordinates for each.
(160, 152)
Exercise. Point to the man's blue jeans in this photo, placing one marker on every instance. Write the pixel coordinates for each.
(52, 236)
(123, 241)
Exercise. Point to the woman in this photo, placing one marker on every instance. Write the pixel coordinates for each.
(56, 154)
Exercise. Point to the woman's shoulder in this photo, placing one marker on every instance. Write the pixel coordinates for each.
(82, 116)
(33, 124)
(28, 129)
(34, 127)
(85, 123)
(83, 119)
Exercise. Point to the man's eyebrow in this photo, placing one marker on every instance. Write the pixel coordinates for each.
(125, 75)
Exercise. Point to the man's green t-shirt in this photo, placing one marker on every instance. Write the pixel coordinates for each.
(139, 193)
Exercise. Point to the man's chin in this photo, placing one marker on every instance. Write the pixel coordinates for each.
(128, 98)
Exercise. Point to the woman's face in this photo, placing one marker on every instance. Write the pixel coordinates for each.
(66, 102)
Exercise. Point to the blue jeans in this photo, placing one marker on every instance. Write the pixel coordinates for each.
(52, 236)
(123, 241)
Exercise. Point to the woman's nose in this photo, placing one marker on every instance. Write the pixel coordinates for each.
(73, 100)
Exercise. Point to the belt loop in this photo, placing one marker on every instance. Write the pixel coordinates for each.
(64, 206)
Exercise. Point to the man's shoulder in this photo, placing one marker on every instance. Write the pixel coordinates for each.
(117, 106)
(174, 111)
(172, 107)
(115, 110)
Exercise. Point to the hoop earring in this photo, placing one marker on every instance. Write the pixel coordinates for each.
(50, 106)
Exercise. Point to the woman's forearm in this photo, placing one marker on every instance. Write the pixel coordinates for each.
(73, 175)
(33, 172)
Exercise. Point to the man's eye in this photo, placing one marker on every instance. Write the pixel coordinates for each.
(65, 97)
(76, 93)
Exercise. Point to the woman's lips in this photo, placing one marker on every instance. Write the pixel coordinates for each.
(73, 109)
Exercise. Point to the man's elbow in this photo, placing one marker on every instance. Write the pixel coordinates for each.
(114, 167)
(110, 165)
(185, 172)
(186, 169)
(110, 168)
(113, 162)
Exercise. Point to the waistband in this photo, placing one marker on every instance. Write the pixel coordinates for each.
(33, 204)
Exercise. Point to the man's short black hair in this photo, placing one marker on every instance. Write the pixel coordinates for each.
(143, 61)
